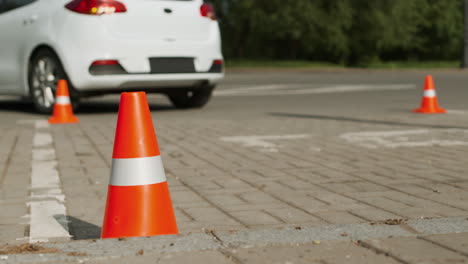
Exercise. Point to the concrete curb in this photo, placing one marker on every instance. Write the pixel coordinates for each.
(115, 248)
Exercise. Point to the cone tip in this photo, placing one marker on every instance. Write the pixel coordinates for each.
(133, 94)
(429, 83)
(135, 136)
(62, 88)
(134, 101)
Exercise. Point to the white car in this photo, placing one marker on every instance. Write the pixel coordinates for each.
(105, 46)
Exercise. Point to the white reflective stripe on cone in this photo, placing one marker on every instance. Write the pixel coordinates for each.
(137, 171)
(62, 100)
(429, 93)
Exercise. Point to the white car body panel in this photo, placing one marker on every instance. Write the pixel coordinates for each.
(15, 43)
(144, 31)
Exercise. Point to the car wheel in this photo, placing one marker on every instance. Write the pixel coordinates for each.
(45, 70)
(191, 98)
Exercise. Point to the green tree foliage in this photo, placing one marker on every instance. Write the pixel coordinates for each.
(352, 32)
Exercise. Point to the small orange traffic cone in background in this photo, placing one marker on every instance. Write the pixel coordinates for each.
(63, 112)
(138, 199)
(429, 103)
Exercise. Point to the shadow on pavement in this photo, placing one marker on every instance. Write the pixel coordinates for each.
(367, 121)
(80, 229)
(94, 107)
(17, 105)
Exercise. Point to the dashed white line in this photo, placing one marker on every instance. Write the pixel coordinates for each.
(42, 139)
(263, 90)
(457, 112)
(261, 142)
(48, 212)
(248, 89)
(408, 138)
(48, 221)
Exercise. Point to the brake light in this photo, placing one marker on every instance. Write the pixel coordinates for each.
(106, 67)
(96, 7)
(105, 62)
(216, 66)
(207, 10)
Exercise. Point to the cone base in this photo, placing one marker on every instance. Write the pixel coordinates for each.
(68, 120)
(430, 111)
(137, 211)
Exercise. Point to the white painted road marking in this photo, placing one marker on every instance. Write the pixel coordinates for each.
(38, 124)
(48, 212)
(44, 174)
(457, 112)
(408, 138)
(42, 139)
(43, 154)
(248, 89)
(263, 90)
(261, 141)
(48, 220)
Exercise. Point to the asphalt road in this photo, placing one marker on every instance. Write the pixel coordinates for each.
(257, 94)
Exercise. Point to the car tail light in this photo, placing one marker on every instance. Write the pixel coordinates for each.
(216, 66)
(105, 62)
(207, 10)
(106, 67)
(96, 7)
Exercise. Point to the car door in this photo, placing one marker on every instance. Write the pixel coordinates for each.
(16, 22)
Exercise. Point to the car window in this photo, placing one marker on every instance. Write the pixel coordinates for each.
(7, 5)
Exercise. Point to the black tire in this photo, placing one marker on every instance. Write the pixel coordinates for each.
(191, 98)
(45, 70)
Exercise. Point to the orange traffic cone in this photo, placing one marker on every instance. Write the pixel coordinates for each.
(429, 103)
(138, 199)
(63, 112)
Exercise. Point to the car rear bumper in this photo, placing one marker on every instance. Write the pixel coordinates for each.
(80, 47)
(148, 82)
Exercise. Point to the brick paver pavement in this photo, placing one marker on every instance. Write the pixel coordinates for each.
(286, 171)
(225, 186)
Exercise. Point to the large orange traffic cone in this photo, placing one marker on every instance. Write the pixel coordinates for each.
(63, 112)
(429, 103)
(138, 200)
